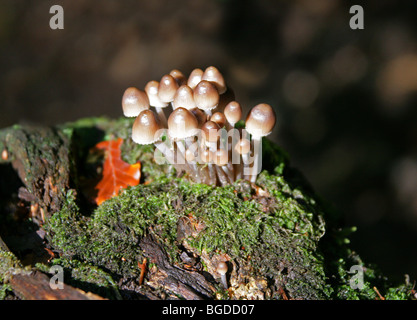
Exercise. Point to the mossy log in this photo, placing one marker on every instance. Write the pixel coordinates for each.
(164, 238)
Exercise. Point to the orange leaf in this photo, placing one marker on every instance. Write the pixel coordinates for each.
(117, 174)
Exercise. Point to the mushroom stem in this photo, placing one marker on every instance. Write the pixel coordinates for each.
(221, 174)
(222, 269)
(180, 155)
(162, 116)
(255, 169)
(245, 167)
(208, 113)
(231, 171)
(168, 154)
(224, 281)
(243, 149)
(212, 174)
(191, 164)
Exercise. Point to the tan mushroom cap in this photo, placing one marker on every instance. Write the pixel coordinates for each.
(151, 90)
(218, 118)
(134, 101)
(167, 88)
(213, 75)
(206, 96)
(147, 128)
(195, 77)
(260, 120)
(243, 146)
(182, 124)
(221, 157)
(200, 115)
(233, 112)
(178, 76)
(210, 131)
(184, 97)
(222, 268)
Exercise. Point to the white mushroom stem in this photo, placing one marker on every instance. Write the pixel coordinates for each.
(162, 116)
(224, 281)
(242, 167)
(212, 174)
(222, 270)
(246, 169)
(167, 153)
(231, 170)
(256, 156)
(192, 164)
(221, 174)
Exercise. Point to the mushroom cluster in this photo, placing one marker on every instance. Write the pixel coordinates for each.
(192, 124)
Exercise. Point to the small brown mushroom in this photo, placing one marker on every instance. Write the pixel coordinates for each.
(178, 76)
(195, 77)
(152, 89)
(167, 88)
(184, 97)
(222, 270)
(210, 135)
(206, 96)
(182, 125)
(147, 129)
(219, 118)
(213, 75)
(134, 101)
(233, 113)
(259, 123)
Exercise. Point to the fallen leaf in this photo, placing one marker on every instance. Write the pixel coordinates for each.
(117, 174)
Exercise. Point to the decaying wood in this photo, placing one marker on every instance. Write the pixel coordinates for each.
(40, 156)
(190, 285)
(36, 286)
(3, 246)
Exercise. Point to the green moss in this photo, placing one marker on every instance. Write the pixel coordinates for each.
(284, 234)
(280, 239)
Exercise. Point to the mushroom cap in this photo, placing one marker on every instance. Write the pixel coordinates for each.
(151, 90)
(218, 118)
(243, 146)
(134, 101)
(147, 128)
(200, 115)
(222, 268)
(206, 96)
(210, 131)
(213, 75)
(167, 88)
(184, 97)
(260, 120)
(195, 77)
(233, 112)
(178, 76)
(182, 124)
(221, 157)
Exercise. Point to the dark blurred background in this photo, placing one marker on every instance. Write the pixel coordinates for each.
(345, 99)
